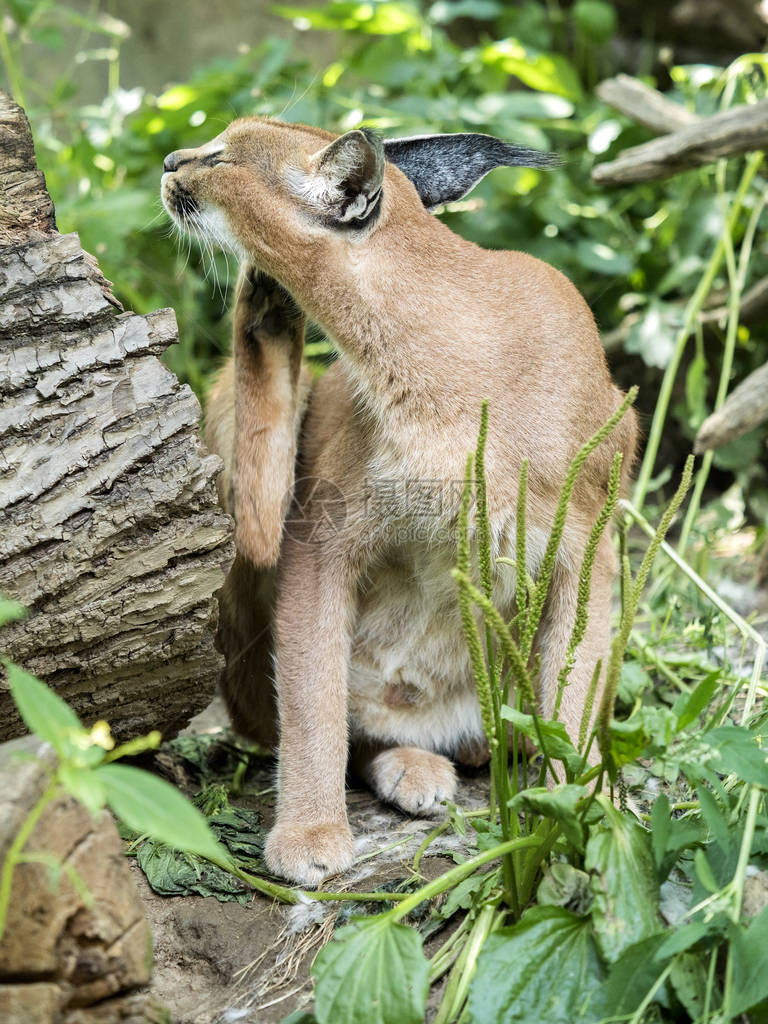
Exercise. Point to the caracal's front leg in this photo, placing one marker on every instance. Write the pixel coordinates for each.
(311, 838)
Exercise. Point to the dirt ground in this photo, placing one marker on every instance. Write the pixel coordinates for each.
(220, 963)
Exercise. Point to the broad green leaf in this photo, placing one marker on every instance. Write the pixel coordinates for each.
(371, 973)
(10, 611)
(714, 817)
(43, 711)
(563, 885)
(555, 735)
(737, 750)
(545, 72)
(629, 980)
(688, 978)
(543, 969)
(687, 935)
(171, 873)
(559, 804)
(750, 977)
(84, 786)
(624, 885)
(153, 806)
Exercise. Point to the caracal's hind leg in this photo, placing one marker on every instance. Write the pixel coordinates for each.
(253, 421)
(415, 780)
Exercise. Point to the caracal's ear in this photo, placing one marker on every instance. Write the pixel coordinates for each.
(445, 167)
(344, 179)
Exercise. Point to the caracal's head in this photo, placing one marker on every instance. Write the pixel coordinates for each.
(266, 190)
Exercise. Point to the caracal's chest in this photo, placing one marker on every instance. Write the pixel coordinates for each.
(410, 679)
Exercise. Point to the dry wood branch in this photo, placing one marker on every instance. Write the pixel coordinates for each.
(745, 408)
(111, 534)
(729, 133)
(645, 105)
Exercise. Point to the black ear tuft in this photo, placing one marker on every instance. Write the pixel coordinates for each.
(445, 167)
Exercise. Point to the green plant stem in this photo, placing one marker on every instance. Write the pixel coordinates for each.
(692, 311)
(456, 875)
(741, 624)
(449, 952)
(284, 894)
(737, 888)
(461, 975)
(9, 63)
(629, 610)
(638, 1016)
(14, 851)
(736, 282)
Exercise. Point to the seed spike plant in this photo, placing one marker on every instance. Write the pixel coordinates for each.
(558, 525)
(632, 593)
(585, 576)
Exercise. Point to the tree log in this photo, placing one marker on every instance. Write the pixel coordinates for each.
(111, 531)
(645, 105)
(745, 408)
(729, 133)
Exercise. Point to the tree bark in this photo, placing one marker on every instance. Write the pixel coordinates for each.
(729, 133)
(744, 409)
(645, 105)
(111, 531)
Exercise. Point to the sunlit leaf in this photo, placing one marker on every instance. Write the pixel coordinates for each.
(371, 973)
(544, 968)
(44, 712)
(153, 806)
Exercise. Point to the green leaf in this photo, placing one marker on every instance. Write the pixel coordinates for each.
(153, 806)
(736, 749)
(44, 713)
(563, 885)
(698, 700)
(10, 611)
(660, 827)
(750, 978)
(372, 973)
(559, 804)
(83, 785)
(629, 980)
(171, 873)
(688, 978)
(556, 738)
(715, 819)
(624, 885)
(704, 871)
(596, 20)
(545, 72)
(544, 968)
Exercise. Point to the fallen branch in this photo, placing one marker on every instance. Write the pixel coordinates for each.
(745, 408)
(645, 105)
(730, 133)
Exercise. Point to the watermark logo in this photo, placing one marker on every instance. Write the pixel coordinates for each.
(317, 512)
(394, 510)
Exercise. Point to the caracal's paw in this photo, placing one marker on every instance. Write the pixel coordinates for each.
(307, 854)
(414, 780)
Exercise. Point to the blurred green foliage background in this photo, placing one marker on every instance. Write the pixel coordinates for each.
(522, 71)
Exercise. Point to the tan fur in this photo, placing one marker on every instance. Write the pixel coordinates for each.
(367, 635)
